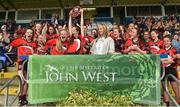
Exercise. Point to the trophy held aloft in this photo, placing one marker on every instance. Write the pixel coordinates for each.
(75, 14)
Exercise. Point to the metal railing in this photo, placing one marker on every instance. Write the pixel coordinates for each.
(6, 88)
(167, 90)
(163, 73)
(21, 73)
(7, 56)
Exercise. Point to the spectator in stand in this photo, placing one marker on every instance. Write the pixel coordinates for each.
(54, 19)
(50, 32)
(176, 43)
(38, 31)
(156, 44)
(114, 26)
(134, 45)
(41, 45)
(2, 45)
(147, 40)
(5, 38)
(148, 23)
(118, 40)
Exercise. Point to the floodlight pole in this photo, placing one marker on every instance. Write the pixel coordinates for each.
(162, 10)
(40, 14)
(62, 13)
(111, 11)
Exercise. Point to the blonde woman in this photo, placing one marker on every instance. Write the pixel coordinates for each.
(103, 44)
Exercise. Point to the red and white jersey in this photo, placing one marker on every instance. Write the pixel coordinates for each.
(18, 42)
(24, 51)
(75, 47)
(158, 43)
(22, 42)
(130, 42)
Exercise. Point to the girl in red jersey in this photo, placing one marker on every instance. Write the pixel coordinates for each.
(60, 45)
(77, 40)
(170, 68)
(27, 40)
(38, 31)
(64, 37)
(156, 43)
(58, 49)
(25, 47)
(134, 45)
(50, 32)
(41, 47)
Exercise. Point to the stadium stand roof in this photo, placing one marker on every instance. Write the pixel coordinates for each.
(23, 4)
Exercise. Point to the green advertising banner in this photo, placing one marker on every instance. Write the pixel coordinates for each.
(51, 78)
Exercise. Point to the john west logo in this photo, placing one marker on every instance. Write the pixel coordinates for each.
(53, 74)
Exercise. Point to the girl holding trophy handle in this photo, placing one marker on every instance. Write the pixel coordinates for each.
(76, 32)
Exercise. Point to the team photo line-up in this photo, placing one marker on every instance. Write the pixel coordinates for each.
(77, 37)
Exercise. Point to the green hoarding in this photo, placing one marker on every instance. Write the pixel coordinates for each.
(134, 76)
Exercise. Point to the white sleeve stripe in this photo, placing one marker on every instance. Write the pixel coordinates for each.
(79, 44)
(28, 48)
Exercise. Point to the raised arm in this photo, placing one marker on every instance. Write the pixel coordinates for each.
(44, 30)
(57, 31)
(64, 26)
(82, 23)
(70, 23)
